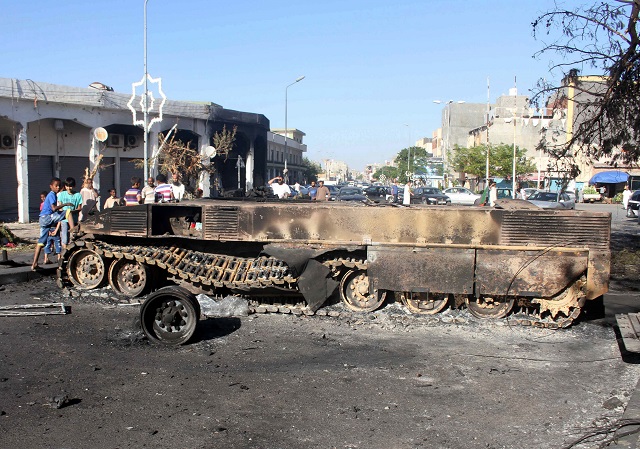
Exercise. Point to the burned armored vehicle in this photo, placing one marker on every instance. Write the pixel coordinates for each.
(291, 256)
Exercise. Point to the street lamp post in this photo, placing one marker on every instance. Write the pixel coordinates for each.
(146, 97)
(409, 152)
(286, 101)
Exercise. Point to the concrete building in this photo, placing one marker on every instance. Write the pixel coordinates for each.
(47, 130)
(512, 119)
(335, 171)
(578, 94)
(457, 120)
(292, 155)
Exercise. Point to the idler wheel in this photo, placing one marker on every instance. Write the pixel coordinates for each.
(86, 269)
(129, 278)
(489, 306)
(356, 294)
(170, 316)
(425, 303)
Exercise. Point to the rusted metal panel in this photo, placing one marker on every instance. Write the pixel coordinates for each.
(527, 273)
(443, 270)
(598, 273)
(129, 220)
(555, 228)
(221, 222)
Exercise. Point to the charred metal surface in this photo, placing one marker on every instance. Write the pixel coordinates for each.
(443, 270)
(527, 273)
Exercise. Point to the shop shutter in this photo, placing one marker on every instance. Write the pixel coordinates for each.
(127, 171)
(40, 174)
(9, 185)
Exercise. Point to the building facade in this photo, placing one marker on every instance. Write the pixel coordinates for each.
(289, 156)
(48, 130)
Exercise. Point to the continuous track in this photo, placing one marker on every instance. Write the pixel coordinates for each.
(85, 265)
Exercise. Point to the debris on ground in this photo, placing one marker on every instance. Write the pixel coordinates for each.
(229, 306)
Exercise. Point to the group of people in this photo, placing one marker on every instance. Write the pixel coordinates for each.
(61, 208)
(318, 192)
(151, 193)
(406, 193)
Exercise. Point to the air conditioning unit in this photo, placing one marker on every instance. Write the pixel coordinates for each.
(7, 142)
(115, 141)
(132, 141)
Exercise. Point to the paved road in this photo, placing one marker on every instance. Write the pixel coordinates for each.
(280, 381)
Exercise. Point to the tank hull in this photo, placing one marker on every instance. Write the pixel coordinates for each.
(534, 256)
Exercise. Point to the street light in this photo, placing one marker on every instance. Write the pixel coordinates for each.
(146, 97)
(286, 129)
(409, 152)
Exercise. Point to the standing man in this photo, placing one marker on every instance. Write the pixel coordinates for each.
(493, 194)
(323, 193)
(280, 189)
(133, 196)
(177, 186)
(394, 190)
(313, 190)
(149, 192)
(164, 191)
(625, 197)
(406, 200)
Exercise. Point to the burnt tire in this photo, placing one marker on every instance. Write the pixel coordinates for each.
(170, 316)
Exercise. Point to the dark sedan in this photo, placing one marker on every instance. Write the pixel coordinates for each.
(376, 193)
(429, 195)
(351, 194)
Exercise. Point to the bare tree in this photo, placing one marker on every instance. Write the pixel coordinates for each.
(176, 156)
(605, 120)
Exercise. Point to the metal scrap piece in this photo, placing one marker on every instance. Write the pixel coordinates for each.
(58, 308)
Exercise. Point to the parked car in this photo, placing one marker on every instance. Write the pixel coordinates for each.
(376, 193)
(333, 190)
(552, 200)
(501, 193)
(528, 191)
(429, 195)
(634, 204)
(351, 194)
(461, 195)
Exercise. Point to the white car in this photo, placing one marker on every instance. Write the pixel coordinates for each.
(461, 195)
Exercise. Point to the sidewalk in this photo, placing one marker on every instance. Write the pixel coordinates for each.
(17, 266)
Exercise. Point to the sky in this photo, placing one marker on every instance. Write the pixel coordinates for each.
(372, 68)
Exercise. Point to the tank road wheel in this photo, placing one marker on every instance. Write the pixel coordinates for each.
(354, 292)
(170, 316)
(129, 277)
(86, 269)
(425, 303)
(489, 306)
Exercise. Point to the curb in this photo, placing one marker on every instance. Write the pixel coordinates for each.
(24, 274)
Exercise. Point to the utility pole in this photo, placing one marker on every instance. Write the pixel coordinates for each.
(486, 176)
